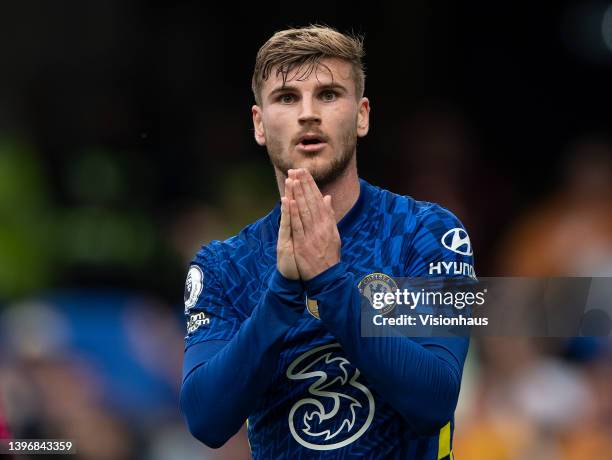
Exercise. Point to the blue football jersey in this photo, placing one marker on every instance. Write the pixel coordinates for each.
(320, 406)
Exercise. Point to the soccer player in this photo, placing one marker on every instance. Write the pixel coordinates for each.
(274, 331)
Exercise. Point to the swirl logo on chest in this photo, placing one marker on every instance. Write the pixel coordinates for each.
(338, 409)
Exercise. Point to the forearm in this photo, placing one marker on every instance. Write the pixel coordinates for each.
(421, 381)
(224, 381)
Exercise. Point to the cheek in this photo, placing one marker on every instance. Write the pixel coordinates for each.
(345, 122)
(276, 124)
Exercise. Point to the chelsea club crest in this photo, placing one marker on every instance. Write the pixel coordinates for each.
(378, 283)
(368, 286)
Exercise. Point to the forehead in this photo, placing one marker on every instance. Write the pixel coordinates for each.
(328, 70)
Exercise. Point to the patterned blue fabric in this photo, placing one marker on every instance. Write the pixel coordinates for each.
(319, 405)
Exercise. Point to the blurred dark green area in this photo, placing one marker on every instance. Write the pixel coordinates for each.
(106, 229)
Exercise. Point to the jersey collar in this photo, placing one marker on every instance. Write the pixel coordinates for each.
(357, 213)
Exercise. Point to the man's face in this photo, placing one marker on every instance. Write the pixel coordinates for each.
(313, 123)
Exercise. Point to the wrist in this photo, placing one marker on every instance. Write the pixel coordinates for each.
(284, 302)
(280, 284)
(320, 282)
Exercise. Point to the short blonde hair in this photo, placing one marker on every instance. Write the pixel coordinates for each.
(302, 50)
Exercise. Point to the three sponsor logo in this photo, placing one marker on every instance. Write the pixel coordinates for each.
(337, 409)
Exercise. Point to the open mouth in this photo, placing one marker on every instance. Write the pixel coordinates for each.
(311, 143)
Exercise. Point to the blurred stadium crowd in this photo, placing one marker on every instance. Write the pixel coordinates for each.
(125, 145)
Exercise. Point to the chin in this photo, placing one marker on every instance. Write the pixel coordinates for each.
(314, 165)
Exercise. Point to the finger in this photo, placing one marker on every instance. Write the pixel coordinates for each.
(313, 201)
(284, 231)
(297, 228)
(317, 193)
(312, 184)
(289, 189)
(329, 208)
(305, 213)
(327, 200)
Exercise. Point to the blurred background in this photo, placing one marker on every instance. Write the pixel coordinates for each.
(126, 143)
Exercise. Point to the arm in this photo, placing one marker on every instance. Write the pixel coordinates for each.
(420, 378)
(223, 380)
(228, 365)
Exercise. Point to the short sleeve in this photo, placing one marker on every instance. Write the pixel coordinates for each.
(209, 315)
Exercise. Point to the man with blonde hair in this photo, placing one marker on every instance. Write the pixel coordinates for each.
(274, 313)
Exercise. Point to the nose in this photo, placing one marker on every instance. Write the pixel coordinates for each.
(309, 112)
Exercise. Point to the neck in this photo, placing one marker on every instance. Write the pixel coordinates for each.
(344, 190)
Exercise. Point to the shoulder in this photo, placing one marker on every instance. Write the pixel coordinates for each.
(228, 259)
(391, 203)
(220, 267)
(408, 216)
(440, 244)
(249, 242)
(417, 215)
(429, 233)
(433, 219)
(421, 212)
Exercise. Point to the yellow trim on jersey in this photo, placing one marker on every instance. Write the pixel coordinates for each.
(248, 440)
(444, 449)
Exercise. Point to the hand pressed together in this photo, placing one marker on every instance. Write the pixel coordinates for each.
(308, 238)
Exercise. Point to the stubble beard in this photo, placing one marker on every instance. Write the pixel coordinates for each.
(324, 175)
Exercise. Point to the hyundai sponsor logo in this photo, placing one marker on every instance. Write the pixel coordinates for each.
(457, 240)
(452, 268)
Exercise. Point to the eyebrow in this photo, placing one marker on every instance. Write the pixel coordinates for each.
(323, 87)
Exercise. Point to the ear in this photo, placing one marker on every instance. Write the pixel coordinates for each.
(363, 117)
(260, 135)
